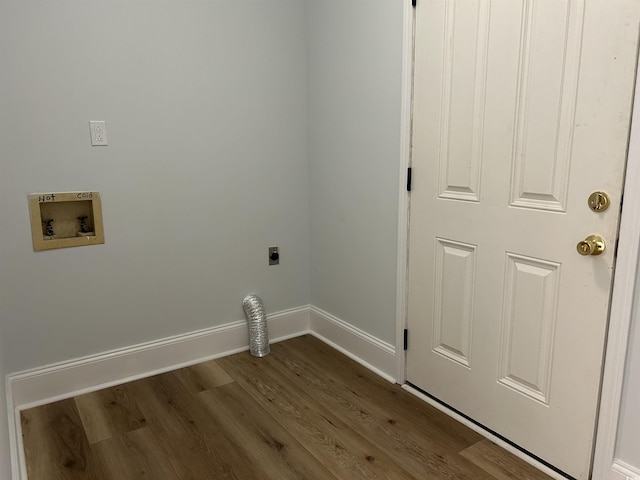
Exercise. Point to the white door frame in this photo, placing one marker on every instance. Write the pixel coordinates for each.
(624, 281)
(406, 125)
(622, 300)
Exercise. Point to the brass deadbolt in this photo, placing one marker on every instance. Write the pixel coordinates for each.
(592, 245)
(599, 201)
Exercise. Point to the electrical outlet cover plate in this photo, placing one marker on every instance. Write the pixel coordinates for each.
(98, 132)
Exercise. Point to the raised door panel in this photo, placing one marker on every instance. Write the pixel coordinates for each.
(455, 278)
(528, 324)
(551, 37)
(463, 97)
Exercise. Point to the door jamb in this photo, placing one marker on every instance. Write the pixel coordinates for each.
(622, 309)
(403, 201)
(624, 282)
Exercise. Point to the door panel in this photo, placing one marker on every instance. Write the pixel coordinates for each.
(521, 110)
(463, 78)
(529, 318)
(549, 60)
(454, 287)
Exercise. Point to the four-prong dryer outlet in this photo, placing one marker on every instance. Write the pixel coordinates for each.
(274, 256)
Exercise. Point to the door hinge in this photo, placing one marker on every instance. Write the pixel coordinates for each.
(413, 2)
(406, 338)
(409, 179)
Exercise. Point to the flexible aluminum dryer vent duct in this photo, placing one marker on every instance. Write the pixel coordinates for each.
(257, 323)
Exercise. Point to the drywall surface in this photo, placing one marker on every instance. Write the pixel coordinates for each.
(628, 442)
(205, 108)
(354, 55)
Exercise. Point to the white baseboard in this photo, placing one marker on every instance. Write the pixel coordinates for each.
(67, 379)
(62, 380)
(623, 471)
(369, 351)
(74, 377)
(498, 441)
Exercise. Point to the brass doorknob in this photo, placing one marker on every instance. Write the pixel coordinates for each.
(592, 245)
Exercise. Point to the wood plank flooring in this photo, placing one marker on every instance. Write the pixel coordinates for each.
(304, 412)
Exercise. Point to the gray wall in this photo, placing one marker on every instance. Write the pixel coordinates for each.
(354, 51)
(205, 104)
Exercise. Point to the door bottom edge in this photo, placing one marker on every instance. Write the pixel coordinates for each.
(489, 434)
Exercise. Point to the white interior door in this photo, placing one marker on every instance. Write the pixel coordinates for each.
(521, 111)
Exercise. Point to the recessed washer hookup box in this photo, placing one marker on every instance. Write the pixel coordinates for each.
(65, 219)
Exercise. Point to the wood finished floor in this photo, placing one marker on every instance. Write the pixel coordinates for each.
(303, 412)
